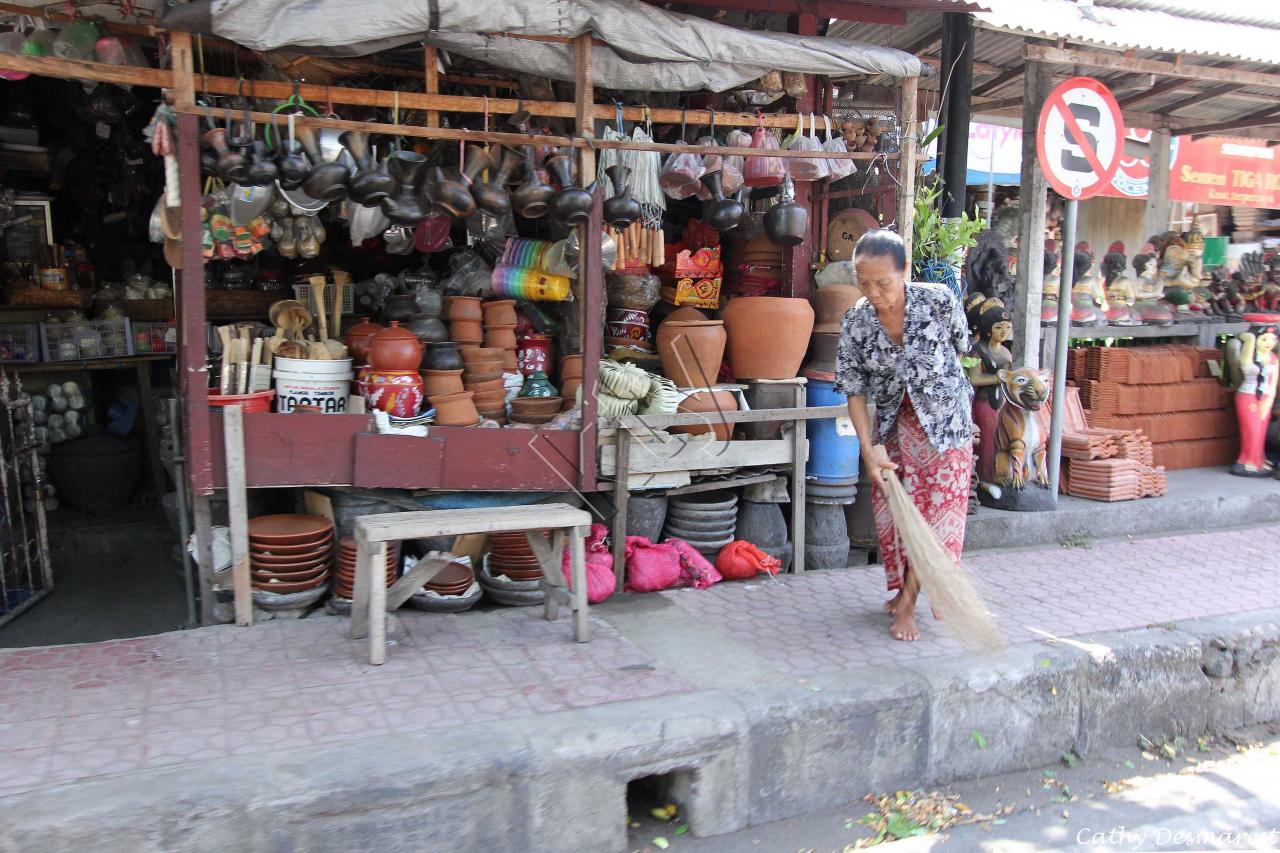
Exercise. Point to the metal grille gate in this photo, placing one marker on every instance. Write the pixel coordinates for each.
(25, 573)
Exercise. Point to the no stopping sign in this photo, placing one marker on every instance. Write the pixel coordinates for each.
(1080, 138)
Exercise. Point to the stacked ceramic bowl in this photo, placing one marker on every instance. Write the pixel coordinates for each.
(510, 555)
(535, 410)
(482, 376)
(453, 579)
(452, 590)
(290, 553)
(706, 520)
(344, 582)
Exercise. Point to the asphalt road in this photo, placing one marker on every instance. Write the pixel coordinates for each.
(1222, 794)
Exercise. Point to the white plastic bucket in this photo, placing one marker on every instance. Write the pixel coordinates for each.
(324, 383)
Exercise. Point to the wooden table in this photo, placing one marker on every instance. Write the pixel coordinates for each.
(141, 365)
(373, 532)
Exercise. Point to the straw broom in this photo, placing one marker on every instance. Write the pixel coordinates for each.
(947, 584)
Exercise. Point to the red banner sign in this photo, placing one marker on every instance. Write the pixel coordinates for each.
(1213, 170)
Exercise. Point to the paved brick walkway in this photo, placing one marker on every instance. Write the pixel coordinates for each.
(72, 712)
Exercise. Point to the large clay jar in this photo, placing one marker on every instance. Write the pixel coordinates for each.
(455, 409)
(831, 303)
(358, 338)
(535, 354)
(395, 348)
(399, 393)
(691, 351)
(768, 335)
(710, 403)
(442, 356)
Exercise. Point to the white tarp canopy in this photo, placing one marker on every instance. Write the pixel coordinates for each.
(647, 47)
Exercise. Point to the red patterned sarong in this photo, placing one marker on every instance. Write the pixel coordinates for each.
(938, 483)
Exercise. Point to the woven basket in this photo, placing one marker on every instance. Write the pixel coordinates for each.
(27, 295)
(241, 304)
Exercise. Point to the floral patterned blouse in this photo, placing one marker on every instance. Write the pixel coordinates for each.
(926, 366)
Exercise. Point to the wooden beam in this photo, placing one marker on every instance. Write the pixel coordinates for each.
(1164, 88)
(999, 82)
(584, 102)
(1117, 62)
(431, 80)
(1032, 204)
(843, 10)
(1201, 96)
(1261, 118)
(80, 69)
(926, 42)
(907, 161)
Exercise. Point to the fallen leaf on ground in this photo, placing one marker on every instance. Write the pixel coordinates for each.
(661, 843)
(979, 740)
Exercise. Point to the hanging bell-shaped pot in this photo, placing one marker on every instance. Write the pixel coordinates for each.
(572, 205)
(493, 196)
(328, 181)
(262, 169)
(621, 209)
(450, 196)
(722, 214)
(292, 163)
(232, 166)
(404, 205)
(787, 223)
(478, 161)
(532, 199)
(372, 182)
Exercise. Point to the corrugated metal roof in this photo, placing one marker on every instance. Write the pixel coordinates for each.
(1135, 28)
(1229, 11)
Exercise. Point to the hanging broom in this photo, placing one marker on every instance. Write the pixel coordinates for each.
(950, 591)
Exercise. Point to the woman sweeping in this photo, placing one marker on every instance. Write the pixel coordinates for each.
(900, 349)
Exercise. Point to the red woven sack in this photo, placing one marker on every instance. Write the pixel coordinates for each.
(601, 581)
(740, 560)
(696, 570)
(651, 567)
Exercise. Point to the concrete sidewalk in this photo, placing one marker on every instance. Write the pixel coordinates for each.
(756, 701)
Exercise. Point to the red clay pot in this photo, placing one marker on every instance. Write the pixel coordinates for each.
(831, 302)
(394, 348)
(501, 312)
(691, 351)
(466, 330)
(711, 403)
(571, 367)
(465, 308)
(358, 338)
(534, 354)
(397, 392)
(440, 383)
(455, 409)
(768, 335)
(500, 336)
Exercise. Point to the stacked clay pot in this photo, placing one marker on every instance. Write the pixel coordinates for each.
(466, 321)
(570, 380)
(510, 555)
(768, 336)
(344, 580)
(393, 384)
(482, 376)
(454, 580)
(830, 304)
(706, 520)
(357, 339)
(290, 553)
(630, 298)
(500, 330)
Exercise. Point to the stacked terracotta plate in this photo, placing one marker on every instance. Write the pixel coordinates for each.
(290, 553)
(453, 579)
(510, 555)
(344, 583)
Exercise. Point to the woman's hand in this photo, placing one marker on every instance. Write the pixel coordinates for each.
(877, 462)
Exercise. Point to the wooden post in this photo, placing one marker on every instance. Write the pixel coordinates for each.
(430, 60)
(907, 97)
(1032, 207)
(799, 458)
(376, 568)
(797, 261)
(238, 511)
(1156, 217)
(621, 478)
(584, 104)
(578, 572)
(184, 88)
(193, 371)
(202, 516)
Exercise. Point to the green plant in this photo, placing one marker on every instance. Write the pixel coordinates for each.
(936, 238)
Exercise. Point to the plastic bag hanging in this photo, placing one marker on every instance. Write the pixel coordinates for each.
(804, 168)
(763, 171)
(837, 169)
(680, 174)
(733, 163)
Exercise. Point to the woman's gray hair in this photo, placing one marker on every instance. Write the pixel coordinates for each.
(882, 244)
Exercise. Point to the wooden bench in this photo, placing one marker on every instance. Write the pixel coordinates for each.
(373, 532)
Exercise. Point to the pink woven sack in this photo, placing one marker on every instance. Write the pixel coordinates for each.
(601, 581)
(651, 567)
(696, 570)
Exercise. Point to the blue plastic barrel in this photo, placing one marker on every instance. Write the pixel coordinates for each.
(833, 457)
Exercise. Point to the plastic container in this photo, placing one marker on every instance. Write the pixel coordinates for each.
(833, 445)
(86, 339)
(324, 383)
(258, 402)
(12, 42)
(19, 343)
(76, 40)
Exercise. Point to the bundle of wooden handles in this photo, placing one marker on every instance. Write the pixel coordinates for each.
(637, 244)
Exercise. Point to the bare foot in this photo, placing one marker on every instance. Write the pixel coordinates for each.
(936, 615)
(904, 625)
(892, 604)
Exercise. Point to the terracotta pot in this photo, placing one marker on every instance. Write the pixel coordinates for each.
(466, 330)
(501, 312)
(571, 367)
(534, 354)
(832, 301)
(487, 366)
(455, 409)
(500, 336)
(631, 315)
(711, 403)
(510, 362)
(492, 402)
(487, 386)
(396, 392)
(536, 405)
(569, 389)
(362, 380)
(768, 335)
(442, 356)
(465, 308)
(394, 348)
(470, 377)
(634, 331)
(440, 383)
(358, 339)
(481, 354)
(691, 352)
